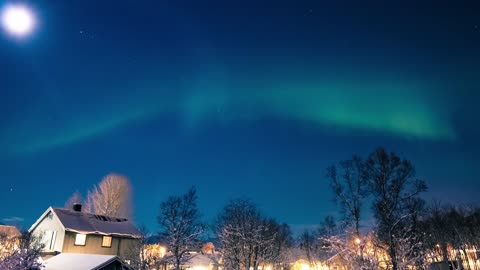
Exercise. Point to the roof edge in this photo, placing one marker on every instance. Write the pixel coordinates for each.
(115, 258)
(49, 209)
(102, 233)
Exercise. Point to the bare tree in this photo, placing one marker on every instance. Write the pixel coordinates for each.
(310, 246)
(247, 238)
(76, 198)
(349, 185)
(438, 229)
(394, 188)
(409, 248)
(282, 245)
(25, 256)
(8, 244)
(137, 255)
(111, 197)
(180, 222)
(328, 227)
(327, 231)
(342, 246)
(276, 239)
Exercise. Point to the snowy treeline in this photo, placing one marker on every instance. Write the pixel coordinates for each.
(404, 233)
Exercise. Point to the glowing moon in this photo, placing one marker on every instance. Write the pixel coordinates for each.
(18, 20)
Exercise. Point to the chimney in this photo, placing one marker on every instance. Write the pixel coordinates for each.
(77, 207)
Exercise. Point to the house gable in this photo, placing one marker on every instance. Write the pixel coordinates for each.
(49, 230)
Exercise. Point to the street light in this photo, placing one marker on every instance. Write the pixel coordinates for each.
(358, 241)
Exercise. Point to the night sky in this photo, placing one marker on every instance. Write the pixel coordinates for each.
(248, 99)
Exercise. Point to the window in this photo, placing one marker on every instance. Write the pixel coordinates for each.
(49, 239)
(51, 246)
(80, 239)
(107, 241)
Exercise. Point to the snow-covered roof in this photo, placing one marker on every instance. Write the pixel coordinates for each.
(75, 261)
(86, 223)
(9, 231)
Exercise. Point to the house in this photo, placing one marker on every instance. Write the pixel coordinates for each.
(9, 231)
(336, 262)
(73, 231)
(74, 261)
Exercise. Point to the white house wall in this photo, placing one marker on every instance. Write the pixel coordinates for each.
(50, 223)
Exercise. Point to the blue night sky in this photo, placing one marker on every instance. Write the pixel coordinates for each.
(239, 98)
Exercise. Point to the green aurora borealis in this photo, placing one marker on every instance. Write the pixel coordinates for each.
(402, 109)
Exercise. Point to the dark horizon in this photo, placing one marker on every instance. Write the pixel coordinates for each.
(243, 99)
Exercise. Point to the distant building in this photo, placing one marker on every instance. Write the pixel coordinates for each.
(72, 231)
(336, 262)
(9, 231)
(208, 248)
(199, 261)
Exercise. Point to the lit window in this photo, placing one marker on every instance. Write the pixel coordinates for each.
(107, 241)
(80, 239)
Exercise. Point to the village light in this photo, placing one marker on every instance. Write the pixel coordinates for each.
(305, 266)
(162, 251)
(358, 241)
